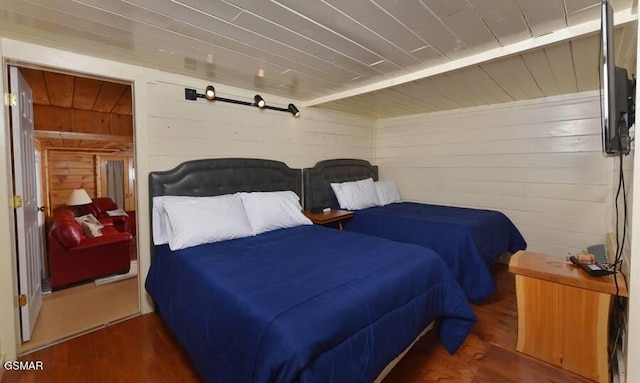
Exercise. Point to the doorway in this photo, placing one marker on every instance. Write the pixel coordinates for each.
(80, 124)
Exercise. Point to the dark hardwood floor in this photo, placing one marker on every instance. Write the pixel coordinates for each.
(143, 350)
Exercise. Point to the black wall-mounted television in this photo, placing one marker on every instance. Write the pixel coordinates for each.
(617, 92)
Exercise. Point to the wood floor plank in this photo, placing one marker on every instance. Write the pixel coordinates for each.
(142, 349)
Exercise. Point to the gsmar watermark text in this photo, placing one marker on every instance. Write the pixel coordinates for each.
(23, 365)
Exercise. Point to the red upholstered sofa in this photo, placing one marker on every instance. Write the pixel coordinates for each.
(74, 258)
(99, 208)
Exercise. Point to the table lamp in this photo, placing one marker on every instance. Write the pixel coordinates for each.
(78, 197)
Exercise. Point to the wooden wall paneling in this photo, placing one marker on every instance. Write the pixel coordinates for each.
(99, 175)
(109, 95)
(60, 88)
(82, 121)
(121, 124)
(130, 198)
(124, 105)
(86, 92)
(181, 130)
(41, 120)
(47, 182)
(102, 169)
(35, 79)
(61, 119)
(68, 171)
(539, 162)
(100, 123)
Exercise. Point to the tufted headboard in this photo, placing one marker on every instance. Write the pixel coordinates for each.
(216, 176)
(316, 180)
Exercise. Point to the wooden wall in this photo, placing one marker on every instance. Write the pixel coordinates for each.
(540, 162)
(68, 171)
(53, 118)
(181, 130)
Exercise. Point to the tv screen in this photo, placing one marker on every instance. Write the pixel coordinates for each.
(614, 92)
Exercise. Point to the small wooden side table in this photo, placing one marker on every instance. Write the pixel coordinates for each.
(563, 313)
(333, 215)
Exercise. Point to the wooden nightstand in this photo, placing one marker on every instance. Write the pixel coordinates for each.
(334, 215)
(563, 313)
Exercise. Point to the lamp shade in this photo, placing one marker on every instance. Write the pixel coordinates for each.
(79, 197)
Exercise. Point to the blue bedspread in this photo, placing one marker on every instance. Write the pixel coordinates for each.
(469, 240)
(305, 304)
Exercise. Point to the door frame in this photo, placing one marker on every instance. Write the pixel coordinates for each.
(23, 54)
(42, 188)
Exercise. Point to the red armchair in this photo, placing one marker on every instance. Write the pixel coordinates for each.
(99, 208)
(74, 258)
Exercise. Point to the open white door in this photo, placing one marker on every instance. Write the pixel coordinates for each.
(26, 210)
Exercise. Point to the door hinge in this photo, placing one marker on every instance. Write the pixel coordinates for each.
(10, 99)
(22, 300)
(17, 201)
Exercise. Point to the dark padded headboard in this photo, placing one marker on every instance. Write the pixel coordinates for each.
(317, 180)
(217, 176)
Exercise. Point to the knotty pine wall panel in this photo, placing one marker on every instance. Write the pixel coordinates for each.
(68, 171)
(540, 162)
(120, 125)
(54, 118)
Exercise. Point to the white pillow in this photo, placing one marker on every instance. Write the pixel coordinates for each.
(205, 220)
(387, 192)
(356, 195)
(159, 218)
(273, 210)
(90, 219)
(90, 230)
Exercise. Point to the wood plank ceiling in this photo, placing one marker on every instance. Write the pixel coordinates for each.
(79, 113)
(328, 53)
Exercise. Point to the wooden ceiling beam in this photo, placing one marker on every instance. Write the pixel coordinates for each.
(47, 134)
(82, 150)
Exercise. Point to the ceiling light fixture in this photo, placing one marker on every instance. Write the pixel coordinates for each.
(210, 94)
(292, 108)
(260, 103)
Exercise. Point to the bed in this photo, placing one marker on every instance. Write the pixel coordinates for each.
(469, 240)
(300, 304)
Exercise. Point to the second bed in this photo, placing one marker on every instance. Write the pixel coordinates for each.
(469, 240)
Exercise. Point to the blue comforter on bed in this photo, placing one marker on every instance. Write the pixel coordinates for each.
(305, 304)
(469, 240)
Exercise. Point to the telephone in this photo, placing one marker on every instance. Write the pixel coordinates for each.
(595, 261)
(600, 253)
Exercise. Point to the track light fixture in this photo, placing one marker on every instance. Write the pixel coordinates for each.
(260, 103)
(210, 94)
(293, 110)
